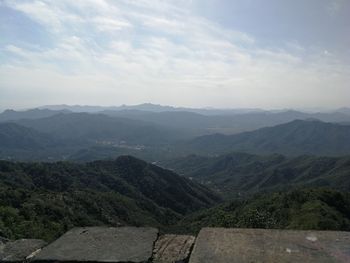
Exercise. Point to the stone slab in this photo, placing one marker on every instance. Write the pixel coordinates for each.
(101, 244)
(221, 245)
(20, 250)
(173, 248)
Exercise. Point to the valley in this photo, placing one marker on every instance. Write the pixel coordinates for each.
(170, 131)
(61, 168)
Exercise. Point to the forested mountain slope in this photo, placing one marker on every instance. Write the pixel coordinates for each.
(14, 136)
(46, 199)
(304, 209)
(99, 127)
(294, 138)
(238, 174)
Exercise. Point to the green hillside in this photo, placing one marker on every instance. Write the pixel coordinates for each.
(316, 209)
(14, 136)
(294, 138)
(238, 174)
(42, 200)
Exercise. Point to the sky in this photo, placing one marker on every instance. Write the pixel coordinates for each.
(196, 53)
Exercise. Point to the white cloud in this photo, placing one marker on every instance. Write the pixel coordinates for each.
(334, 6)
(45, 14)
(110, 24)
(114, 52)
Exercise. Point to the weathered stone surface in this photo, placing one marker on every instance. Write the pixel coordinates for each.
(172, 248)
(102, 244)
(19, 250)
(221, 245)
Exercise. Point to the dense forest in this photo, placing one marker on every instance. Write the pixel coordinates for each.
(238, 174)
(318, 209)
(42, 200)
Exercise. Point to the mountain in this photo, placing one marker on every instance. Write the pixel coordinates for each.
(96, 109)
(240, 174)
(294, 138)
(304, 209)
(103, 129)
(166, 135)
(150, 154)
(194, 122)
(147, 107)
(203, 124)
(18, 142)
(77, 108)
(11, 115)
(85, 137)
(43, 200)
(14, 136)
(344, 110)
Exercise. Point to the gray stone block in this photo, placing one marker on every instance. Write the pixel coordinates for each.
(173, 248)
(20, 250)
(101, 244)
(221, 245)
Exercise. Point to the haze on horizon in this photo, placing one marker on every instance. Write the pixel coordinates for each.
(212, 53)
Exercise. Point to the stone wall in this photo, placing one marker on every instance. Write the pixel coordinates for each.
(214, 245)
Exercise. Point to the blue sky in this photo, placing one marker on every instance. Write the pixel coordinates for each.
(218, 53)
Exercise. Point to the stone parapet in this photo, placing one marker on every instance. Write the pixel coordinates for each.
(212, 245)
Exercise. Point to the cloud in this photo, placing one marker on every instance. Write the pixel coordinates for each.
(334, 6)
(45, 14)
(110, 24)
(114, 52)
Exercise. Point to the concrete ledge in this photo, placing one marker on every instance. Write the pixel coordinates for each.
(101, 244)
(213, 245)
(19, 250)
(221, 245)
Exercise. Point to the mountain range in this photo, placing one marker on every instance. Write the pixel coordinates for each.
(99, 127)
(86, 137)
(274, 169)
(165, 108)
(294, 138)
(147, 107)
(192, 122)
(64, 134)
(201, 124)
(12, 115)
